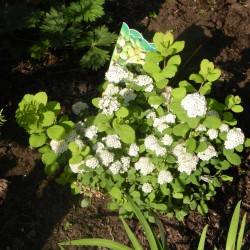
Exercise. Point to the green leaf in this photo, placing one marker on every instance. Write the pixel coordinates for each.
(148, 232)
(153, 56)
(169, 71)
(201, 146)
(206, 88)
(205, 67)
(188, 86)
(229, 101)
(122, 112)
(49, 158)
(41, 97)
(233, 228)
(237, 109)
(178, 195)
(116, 193)
(56, 132)
(213, 75)
(226, 178)
(232, 157)
(37, 140)
(201, 245)
(196, 78)
(212, 122)
(178, 93)
(136, 244)
(241, 233)
(178, 46)
(191, 145)
(98, 242)
(48, 118)
(180, 129)
(247, 142)
(151, 68)
(95, 102)
(174, 60)
(161, 84)
(155, 100)
(126, 133)
(102, 122)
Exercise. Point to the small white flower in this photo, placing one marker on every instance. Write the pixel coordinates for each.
(178, 150)
(110, 90)
(152, 144)
(145, 81)
(115, 167)
(201, 128)
(149, 88)
(98, 147)
(79, 143)
(125, 164)
(76, 167)
(151, 115)
(128, 95)
(169, 118)
(235, 137)
(58, 146)
(147, 188)
(109, 104)
(91, 132)
(208, 153)
(133, 150)
(224, 128)
(212, 133)
(194, 104)
(112, 141)
(164, 177)
(106, 157)
(160, 124)
(116, 74)
(167, 140)
(92, 162)
(167, 94)
(79, 107)
(144, 166)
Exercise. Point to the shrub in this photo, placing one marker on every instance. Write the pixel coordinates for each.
(71, 30)
(2, 119)
(167, 147)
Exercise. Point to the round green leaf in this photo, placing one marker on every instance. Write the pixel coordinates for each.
(155, 100)
(237, 109)
(41, 97)
(49, 158)
(232, 157)
(122, 112)
(212, 122)
(180, 129)
(191, 145)
(37, 140)
(95, 102)
(179, 93)
(48, 118)
(56, 132)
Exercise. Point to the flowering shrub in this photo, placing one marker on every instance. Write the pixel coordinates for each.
(167, 146)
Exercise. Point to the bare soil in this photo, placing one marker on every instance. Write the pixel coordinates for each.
(36, 213)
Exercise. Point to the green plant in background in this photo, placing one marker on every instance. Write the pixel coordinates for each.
(71, 30)
(235, 235)
(168, 147)
(153, 241)
(2, 119)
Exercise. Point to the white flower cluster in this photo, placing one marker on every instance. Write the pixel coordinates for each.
(144, 81)
(167, 140)
(79, 107)
(106, 157)
(91, 132)
(147, 188)
(92, 162)
(163, 122)
(212, 133)
(133, 150)
(151, 143)
(224, 128)
(109, 104)
(116, 74)
(58, 146)
(112, 141)
(164, 177)
(187, 162)
(144, 165)
(208, 153)
(235, 137)
(111, 90)
(195, 105)
(76, 167)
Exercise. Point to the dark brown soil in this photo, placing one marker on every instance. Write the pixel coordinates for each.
(36, 213)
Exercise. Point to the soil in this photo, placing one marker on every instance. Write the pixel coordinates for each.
(35, 212)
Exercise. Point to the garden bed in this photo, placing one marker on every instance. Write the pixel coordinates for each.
(37, 213)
